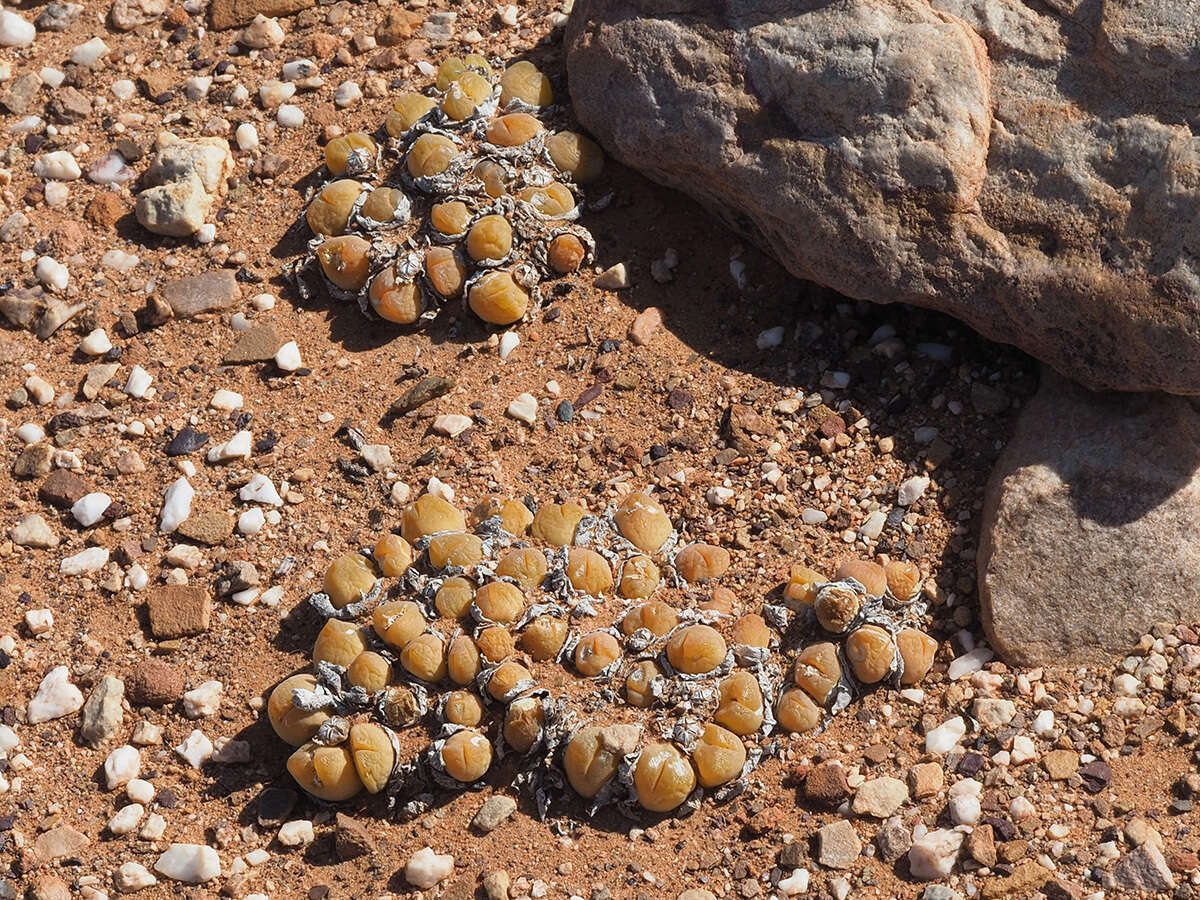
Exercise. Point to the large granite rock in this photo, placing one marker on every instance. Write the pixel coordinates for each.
(1090, 524)
(1028, 167)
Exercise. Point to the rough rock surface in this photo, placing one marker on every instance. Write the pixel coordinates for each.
(1089, 525)
(231, 13)
(1029, 168)
(182, 182)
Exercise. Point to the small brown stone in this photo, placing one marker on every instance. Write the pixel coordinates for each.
(424, 391)
(256, 345)
(33, 462)
(323, 46)
(105, 209)
(644, 326)
(742, 423)
(67, 239)
(1183, 861)
(925, 780)
(396, 26)
(1011, 851)
(351, 839)
(209, 527)
(232, 13)
(1057, 889)
(981, 844)
(155, 82)
(1061, 764)
(155, 683)
(57, 842)
(63, 489)
(826, 784)
(49, 887)
(210, 291)
(1026, 878)
(178, 610)
(1112, 732)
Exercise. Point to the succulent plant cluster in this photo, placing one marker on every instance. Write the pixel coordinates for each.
(601, 653)
(462, 195)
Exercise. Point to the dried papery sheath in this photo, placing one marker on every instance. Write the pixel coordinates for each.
(521, 154)
(402, 705)
(321, 603)
(517, 105)
(751, 657)
(333, 731)
(385, 207)
(778, 617)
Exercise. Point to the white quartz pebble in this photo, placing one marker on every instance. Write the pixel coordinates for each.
(120, 260)
(96, 343)
(251, 522)
(796, 883)
(296, 833)
(15, 31)
(259, 489)
(965, 802)
(287, 357)
(289, 116)
(140, 791)
(56, 697)
(122, 766)
(39, 621)
(508, 343)
(93, 559)
(138, 382)
(452, 424)
(154, 829)
(51, 273)
(425, 868)
(203, 701)
(524, 409)
(89, 52)
(237, 447)
(296, 69)
(770, 339)
(969, 663)
(190, 863)
(126, 819)
(246, 136)
(30, 433)
(132, 876)
(272, 93)
(943, 738)
(225, 401)
(347, 94)
(1043, 723)
(933, 855)
(196, 749)
(58, 165)
(911, 490)
(177, 505)
(89, 509)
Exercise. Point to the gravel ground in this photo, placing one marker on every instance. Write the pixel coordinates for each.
(768, 416)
